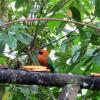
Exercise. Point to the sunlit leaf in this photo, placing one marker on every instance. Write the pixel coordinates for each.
(2, 60)
(6, 96)
(11, 41)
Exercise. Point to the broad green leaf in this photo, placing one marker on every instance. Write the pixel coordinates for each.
(77, 69)
(87, 4)
(64, 46)
(33, 97)
(24, 38)
(75, 52)
(18, 3)
(11, 41)
(76, 41)
(89, 52)
(2, 46)
(96, 60)
(6, 96)
(98, 24)
(94, 69)
(18, 96)
(75, 13)
(59, 15)
(28, 38)
(82, 7)
(53, 25)
(81, 66)
(2, 60)
(16, 27)
(53, 1)
(2, 37)
(95, 39)
(60, 28)
(2, 43)
(21, 38)
(50, 47)
(60, 4)
(11, 1)
(97, 8)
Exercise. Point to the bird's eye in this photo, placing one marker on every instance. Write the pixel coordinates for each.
(40, 52)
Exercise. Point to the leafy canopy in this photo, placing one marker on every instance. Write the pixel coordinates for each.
(74, 48)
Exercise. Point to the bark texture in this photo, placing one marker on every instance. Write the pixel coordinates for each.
(47, 79)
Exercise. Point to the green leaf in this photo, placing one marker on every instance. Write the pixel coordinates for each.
(21, 38)
(18, 96)
(64, 46)
(2, 60)
(96, 60)
(2, 47)
(75, 13)
(97, 8)
(11, 41)
(58, 6)
(75, 52)
(77, 40)
(2, 43)
(87, 4)
(33, 97)
(18, 3)
(95, 39)
(6, 95)
(96, 64)
(53, 1)
(17, 27)
(53, 25)
(28, 37)
(60, 28)
(50, 47)
(98, 24)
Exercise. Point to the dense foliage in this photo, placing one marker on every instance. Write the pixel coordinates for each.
(74, 48)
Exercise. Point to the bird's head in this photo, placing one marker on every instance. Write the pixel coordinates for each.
(43, 52)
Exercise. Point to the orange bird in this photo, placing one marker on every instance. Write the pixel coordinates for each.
(45, 60)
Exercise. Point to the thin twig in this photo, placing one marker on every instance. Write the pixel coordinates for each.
(51, 19)
(57, 40)
(36, 31)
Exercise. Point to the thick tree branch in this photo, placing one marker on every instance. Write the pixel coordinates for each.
(47, 79)
(69, 92)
